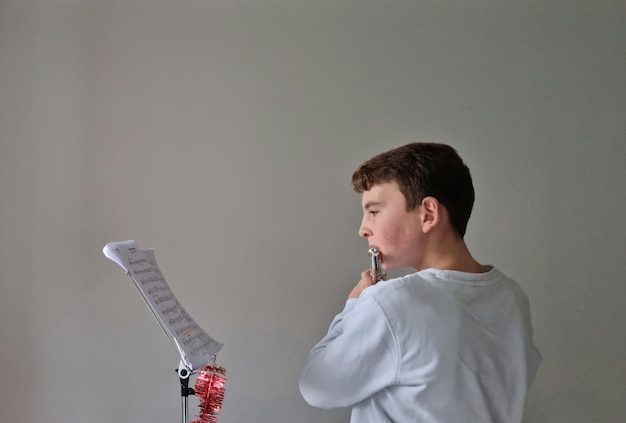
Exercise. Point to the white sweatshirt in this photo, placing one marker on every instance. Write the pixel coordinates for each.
(435, 346)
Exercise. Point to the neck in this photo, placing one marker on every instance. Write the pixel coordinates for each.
(449, 252)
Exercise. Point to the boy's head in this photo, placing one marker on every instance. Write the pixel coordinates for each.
(423, 170)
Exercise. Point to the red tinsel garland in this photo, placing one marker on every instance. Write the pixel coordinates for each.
(210, 388)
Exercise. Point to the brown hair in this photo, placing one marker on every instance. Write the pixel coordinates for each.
(422, 170)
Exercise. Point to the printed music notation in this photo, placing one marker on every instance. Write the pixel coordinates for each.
(195, 346)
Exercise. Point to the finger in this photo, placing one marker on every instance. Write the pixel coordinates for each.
(366, 278)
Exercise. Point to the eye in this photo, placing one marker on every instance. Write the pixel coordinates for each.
(373, 212)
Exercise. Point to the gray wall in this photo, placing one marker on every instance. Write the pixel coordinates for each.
(224, 133)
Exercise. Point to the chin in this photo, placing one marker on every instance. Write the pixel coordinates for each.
(389, 266)
(393, 265)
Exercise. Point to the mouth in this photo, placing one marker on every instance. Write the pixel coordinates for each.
(376, 257)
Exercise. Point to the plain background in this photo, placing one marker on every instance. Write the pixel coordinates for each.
(224, 134)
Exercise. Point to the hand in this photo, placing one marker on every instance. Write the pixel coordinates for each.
(366, 280)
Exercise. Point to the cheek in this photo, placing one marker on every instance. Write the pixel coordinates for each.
(393, 236)
(398, 238)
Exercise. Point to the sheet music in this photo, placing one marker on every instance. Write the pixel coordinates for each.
(195, 346)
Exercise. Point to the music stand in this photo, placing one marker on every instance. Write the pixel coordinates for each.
(195, 346)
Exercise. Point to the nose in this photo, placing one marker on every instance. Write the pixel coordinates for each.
(364, 231)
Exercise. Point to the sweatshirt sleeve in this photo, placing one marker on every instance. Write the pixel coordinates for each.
(358, 357)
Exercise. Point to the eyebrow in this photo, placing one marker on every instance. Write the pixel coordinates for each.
(371, 204)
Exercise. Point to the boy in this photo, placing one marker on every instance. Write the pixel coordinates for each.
(451, 343)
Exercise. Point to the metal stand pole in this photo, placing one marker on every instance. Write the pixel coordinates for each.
(185, 390)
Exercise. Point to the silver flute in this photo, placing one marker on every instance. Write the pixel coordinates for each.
(376, 271)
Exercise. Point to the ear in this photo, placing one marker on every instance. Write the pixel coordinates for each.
(431, 213)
